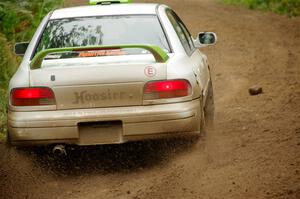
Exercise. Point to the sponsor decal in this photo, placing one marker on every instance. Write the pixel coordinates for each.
(86, 97)
(150, 71)
(101, 53)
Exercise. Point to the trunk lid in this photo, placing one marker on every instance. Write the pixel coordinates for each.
(98, 82)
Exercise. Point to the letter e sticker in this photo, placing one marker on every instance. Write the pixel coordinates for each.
(150, 71)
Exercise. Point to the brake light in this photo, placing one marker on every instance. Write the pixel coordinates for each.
(167, 89)
(32, 97)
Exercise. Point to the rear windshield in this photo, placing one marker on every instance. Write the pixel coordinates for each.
(104, 30)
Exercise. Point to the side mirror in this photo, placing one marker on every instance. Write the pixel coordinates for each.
(20, 48)
(205, 39)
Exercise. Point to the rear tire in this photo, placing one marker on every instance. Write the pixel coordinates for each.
(208, 111)
(209, 108)
(8, 140)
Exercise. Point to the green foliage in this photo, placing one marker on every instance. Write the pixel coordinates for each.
(289, 7)
(20, 18)
(8, 64)
(2, 137)
(3, 113)
(18, 21)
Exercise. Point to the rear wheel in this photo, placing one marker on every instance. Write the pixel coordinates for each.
(8, 140)
(208, 110)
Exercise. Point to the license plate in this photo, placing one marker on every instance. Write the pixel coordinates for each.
(108, 132)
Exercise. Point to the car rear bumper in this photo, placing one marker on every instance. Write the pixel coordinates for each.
(129, 124)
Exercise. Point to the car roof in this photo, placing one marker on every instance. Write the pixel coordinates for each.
(105, 10)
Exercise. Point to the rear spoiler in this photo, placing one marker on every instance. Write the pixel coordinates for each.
(159, 55)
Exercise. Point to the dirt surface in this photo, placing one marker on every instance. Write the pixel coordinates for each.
(253, 151)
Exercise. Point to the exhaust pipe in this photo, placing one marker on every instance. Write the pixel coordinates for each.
(59, 150)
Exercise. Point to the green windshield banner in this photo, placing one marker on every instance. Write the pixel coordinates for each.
(96, 2)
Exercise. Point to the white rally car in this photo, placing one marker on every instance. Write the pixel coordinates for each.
(110, 72)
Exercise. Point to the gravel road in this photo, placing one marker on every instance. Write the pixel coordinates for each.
(252, 152)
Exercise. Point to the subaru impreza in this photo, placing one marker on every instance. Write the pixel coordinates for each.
(108, 73)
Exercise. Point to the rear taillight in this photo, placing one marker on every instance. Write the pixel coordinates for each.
(32, 97)
(167, 89)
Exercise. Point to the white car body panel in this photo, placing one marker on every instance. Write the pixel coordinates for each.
(105, 10)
